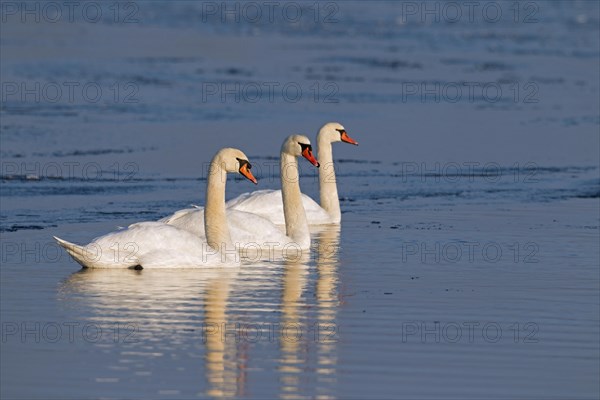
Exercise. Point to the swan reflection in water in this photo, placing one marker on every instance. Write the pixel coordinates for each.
(178, 314)
(327, 305)
(305, 334)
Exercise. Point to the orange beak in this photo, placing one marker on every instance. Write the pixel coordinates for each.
(246, 172)
(348, 139)
(307, 153)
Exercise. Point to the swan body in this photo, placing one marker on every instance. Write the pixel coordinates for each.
(160, 245)
(146, 244)
(252, 229)
(246, 229)
(265, 203)
(268, 203)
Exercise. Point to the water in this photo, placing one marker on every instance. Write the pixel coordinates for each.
(467, 262)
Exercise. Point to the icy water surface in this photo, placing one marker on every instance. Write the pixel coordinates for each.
(467, 263)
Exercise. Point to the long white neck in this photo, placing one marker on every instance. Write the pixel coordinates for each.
(296, 224)
(327, 181)
(215, 218)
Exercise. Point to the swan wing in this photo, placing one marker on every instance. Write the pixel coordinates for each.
(148, 244)
(246, 228)
(269, 204)
(189, 219)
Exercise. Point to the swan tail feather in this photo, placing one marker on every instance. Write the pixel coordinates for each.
(79, 253)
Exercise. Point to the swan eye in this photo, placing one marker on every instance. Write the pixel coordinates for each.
(305, 146)
(244, 162)
(341, 131)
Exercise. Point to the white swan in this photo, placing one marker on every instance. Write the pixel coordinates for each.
(158, 245)
(268, 203)
(252, 230)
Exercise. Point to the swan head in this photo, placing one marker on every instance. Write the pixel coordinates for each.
(299, 145)
(335, 132)
(235, 161)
